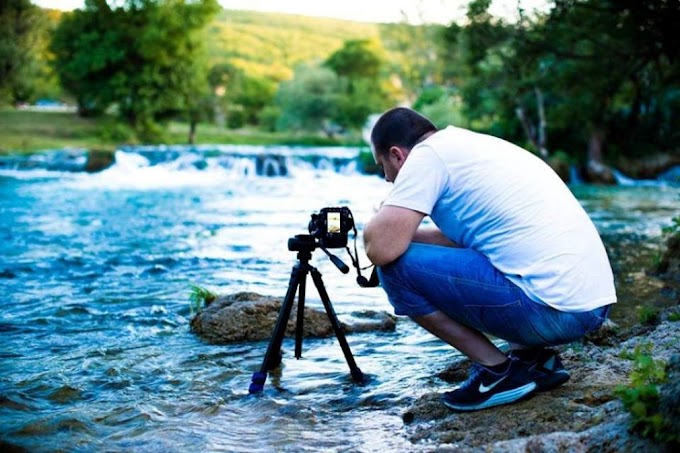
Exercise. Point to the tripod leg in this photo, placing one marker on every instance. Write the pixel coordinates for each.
(357, 375)
(273, 355)
(299, 327)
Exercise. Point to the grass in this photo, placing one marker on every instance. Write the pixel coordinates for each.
(29, 131)
(199, 298)
(23, 131)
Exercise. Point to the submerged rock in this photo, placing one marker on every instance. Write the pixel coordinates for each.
(248, 316)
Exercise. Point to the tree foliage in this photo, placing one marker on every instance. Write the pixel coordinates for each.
(309, 101)
(143, 56)
(596, 77)
(23, 27)
(593, 79)
(359, 66)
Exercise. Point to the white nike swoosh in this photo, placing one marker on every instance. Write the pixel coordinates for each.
(484, 388)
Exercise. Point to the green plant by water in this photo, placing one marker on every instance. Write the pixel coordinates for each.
(642, 396)
(200, 297)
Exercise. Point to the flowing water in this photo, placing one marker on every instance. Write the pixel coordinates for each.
(95, 348)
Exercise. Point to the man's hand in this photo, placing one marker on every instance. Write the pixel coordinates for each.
(389, 233)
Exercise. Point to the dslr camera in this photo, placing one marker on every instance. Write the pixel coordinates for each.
(331, 226)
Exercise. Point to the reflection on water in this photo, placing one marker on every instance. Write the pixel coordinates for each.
(95, 349)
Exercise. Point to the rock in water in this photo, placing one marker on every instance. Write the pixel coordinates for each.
(248, 316)
(99, 159)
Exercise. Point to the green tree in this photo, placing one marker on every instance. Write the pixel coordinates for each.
(309, 101)
(241, 98)
(145, 56)
(22, 27)
(614, 72)
(359, 65)
(414, 55)
(549, 80)
(495, 84)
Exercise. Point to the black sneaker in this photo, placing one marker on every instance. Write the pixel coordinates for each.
(546, 369)
(484, 388)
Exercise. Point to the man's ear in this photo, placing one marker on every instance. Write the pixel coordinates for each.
(398, 153)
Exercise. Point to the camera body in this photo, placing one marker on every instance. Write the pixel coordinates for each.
(331, 226)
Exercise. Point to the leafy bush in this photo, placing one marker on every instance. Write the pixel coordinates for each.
(673, 228)
(648, 315)
(641, 397)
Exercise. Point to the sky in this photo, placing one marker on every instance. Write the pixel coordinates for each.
(415, 11)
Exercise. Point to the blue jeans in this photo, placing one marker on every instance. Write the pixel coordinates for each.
(464, 285)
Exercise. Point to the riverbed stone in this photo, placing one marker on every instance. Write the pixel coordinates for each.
(247, 316)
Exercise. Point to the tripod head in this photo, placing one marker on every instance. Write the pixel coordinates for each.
(305, 244)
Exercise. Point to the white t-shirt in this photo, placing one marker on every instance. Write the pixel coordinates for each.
(499, 199)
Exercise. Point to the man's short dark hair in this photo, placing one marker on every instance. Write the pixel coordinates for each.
(401, 127)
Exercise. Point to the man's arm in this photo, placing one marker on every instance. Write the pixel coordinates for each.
(433, 235)
(389, 233)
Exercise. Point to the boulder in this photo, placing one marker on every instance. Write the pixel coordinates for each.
(648, 167)
(598, 173)
(669, 265)
(669, 406)
(99, 159)
(248, 316)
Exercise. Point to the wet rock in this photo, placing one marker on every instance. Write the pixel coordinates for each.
(11, 448)
(249, 317)
(669, 265)
(648, 167)
(598, 173)
(670, 395)
(99, 159)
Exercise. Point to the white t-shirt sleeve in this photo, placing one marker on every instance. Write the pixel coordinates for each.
(420, 182)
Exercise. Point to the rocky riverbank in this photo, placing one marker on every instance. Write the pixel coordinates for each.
(582, 415)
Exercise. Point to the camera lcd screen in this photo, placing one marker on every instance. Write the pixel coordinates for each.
(333, 221)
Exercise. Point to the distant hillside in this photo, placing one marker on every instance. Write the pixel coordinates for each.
(271, 44)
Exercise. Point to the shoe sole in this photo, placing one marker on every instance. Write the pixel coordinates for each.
(507, 397)
(556, 379)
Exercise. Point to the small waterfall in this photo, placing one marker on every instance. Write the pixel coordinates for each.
(574, 175)
(623, 180)
(233, 161)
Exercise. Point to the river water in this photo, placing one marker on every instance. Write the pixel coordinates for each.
(95, 348)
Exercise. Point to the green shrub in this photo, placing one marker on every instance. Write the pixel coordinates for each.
(641, 397)
(116, 133)
(648, 315)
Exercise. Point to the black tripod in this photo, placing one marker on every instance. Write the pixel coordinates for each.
(304, 244)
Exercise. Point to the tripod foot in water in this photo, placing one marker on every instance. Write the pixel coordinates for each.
(298, 278)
